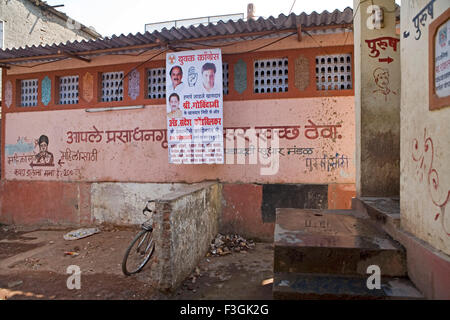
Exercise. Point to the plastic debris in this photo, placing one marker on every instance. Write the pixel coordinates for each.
(81, 233)
(71, 253)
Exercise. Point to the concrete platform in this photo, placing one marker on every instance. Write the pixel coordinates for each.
(293, 286)
(335, 242)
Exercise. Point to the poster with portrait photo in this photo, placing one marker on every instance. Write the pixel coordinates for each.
(194, 101)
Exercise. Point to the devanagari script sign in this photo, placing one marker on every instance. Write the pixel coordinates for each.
(194, 102)
(442, 61)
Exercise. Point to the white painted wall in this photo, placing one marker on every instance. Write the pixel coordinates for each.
(423, 209)
(122, 203)
(24, 24)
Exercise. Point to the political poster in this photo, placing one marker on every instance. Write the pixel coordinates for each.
(194, 101)
(442, 61)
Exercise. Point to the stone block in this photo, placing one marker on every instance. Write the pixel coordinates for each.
(333, 242)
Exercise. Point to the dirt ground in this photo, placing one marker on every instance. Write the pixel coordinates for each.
(33, 265)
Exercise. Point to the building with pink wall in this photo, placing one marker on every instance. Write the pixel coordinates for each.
(91, 155)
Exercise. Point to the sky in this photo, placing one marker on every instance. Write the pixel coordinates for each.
(110, 17)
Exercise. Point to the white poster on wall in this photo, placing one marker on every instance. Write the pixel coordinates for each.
(442, 61)
(194, 101)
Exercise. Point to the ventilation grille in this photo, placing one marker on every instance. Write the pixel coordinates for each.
(156, 81)
(112, 86)
(334, 72)
(225, 78)
(29, 94)
(271, 75)
(68, 90)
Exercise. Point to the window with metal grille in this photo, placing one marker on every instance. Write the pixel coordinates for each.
(112, 86)
(334, 72)
(225, 77)
(68, 90)
(156, 83)
(29, 93)
(270, 75)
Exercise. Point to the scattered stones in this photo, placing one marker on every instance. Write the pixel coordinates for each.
(32, 263)
(226, 244)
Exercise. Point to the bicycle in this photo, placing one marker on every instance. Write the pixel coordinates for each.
(136, 258)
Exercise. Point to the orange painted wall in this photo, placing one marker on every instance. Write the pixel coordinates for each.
(23, 202)
(310, 53)
(61, 199)
(147, 161)
(340, 196)
(242, 211)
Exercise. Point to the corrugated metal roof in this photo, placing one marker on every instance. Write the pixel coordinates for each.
(240, 29)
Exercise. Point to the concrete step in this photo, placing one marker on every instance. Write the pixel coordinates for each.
(382, 210)
(339, 242)
(295, 286)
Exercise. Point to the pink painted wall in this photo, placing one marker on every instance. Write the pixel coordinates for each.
(147, 161)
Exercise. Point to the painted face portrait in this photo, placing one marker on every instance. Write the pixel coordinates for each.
(44, 157)
(43, 147)
(43, 143)
(176, 75)
(381, 77)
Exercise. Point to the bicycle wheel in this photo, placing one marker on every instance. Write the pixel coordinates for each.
(138, 253)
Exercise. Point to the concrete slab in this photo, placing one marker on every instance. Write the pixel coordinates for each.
(333, 242)
(292, 286)
(383, 210)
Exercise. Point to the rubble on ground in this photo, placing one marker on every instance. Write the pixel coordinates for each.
(221, 245)
(226, 244)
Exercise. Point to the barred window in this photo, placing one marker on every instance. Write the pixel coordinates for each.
(112, 86)
(156, 83)
(334, 72)
(270, 75)
(29, 93)
(225, 77)
(68, 90)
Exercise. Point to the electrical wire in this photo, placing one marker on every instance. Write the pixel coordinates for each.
(266, 45)
(292, 7)
(234, 42)
(195, 43)
(346, 37)
(37, 65)
(276, 25)
(140, 64)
